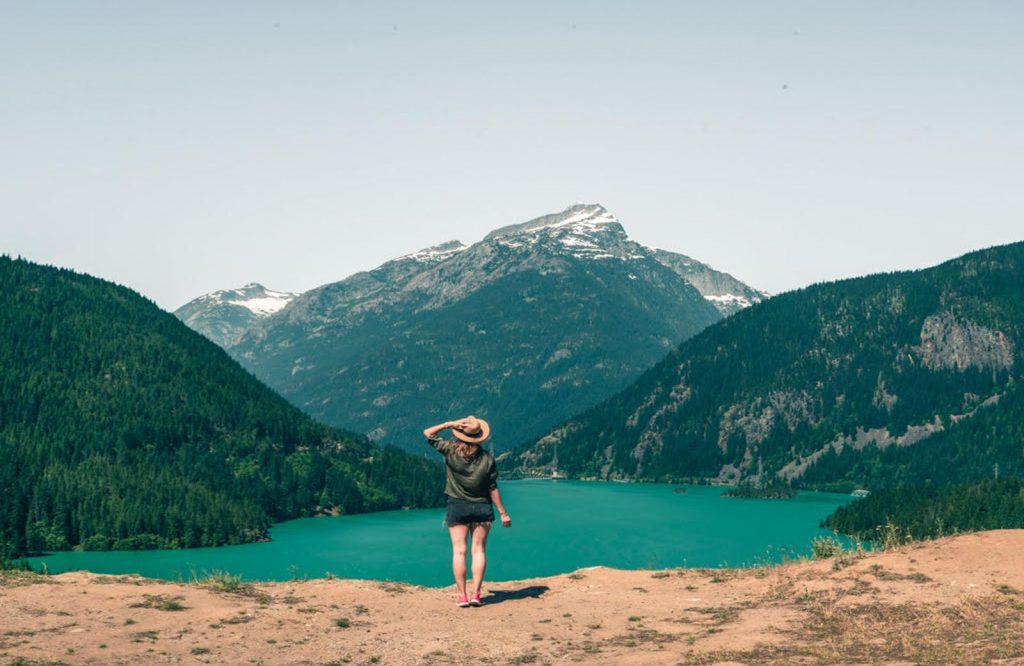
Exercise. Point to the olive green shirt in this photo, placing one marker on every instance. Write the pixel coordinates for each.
(471, 480)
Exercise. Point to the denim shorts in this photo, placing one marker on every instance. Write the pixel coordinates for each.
(464, 512)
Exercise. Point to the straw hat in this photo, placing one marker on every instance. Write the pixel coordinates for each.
(476, 431)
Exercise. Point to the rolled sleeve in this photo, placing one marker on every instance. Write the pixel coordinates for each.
(492, 481)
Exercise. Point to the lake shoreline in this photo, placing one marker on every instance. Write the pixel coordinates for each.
(558, 527)
(952, 600)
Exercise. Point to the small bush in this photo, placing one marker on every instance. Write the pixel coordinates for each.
(893, 536)
(15, 565)
(823, 548)
(172, 605)
(220, 581)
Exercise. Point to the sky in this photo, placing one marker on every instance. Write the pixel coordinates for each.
(183, 147)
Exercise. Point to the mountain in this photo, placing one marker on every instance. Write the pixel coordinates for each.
(724, 291)
(893, 378)
(122, 428)
(223, 316)
(532, 324)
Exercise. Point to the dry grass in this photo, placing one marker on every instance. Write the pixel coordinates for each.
(392, 587)
(18, 578)
(226, 583)
(972, 631)
(160, 602)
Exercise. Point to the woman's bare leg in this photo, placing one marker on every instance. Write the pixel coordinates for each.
(479, 532)
(458, 534)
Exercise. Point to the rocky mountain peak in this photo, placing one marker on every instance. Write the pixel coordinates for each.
(579, 217)
(582, 231)
(435, 253)
(223, 315)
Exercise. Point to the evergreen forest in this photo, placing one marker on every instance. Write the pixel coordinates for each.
(928, 510)
(121, 428)
(869, 382)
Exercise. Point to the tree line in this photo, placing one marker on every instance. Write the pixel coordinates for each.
(924, 511)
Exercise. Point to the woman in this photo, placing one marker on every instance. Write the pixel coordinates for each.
(472, 488)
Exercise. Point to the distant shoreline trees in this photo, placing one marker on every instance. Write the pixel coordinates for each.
(925, 511)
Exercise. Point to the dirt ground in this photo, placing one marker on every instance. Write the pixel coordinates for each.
(958, 600)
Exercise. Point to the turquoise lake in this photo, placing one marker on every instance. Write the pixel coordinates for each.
(558, 527)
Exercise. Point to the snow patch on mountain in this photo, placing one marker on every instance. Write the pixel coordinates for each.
(587, 218)
(268, 305)
(254, 297)
(441, 274)
(436, 253)
(722, 290)
(582, 218)
(737, 300)
(583, 231)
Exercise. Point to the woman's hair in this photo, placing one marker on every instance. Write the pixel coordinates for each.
(467, 451)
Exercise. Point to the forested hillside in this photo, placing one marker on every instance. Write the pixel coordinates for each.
(988, 443)
(837, 385)
(930, 510)
(121, 427)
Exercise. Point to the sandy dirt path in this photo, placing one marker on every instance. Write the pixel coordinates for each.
(958, 600)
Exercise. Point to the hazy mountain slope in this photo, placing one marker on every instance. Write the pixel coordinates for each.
(863, 368)
(121, 427)
(724, 291)
(526, 327)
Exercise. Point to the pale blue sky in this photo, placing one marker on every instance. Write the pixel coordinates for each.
(181, 147)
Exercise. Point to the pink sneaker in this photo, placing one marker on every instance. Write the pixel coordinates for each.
(462, 602)
(475, 600)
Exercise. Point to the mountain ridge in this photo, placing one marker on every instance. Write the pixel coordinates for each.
(365, 352)
(853, 370)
